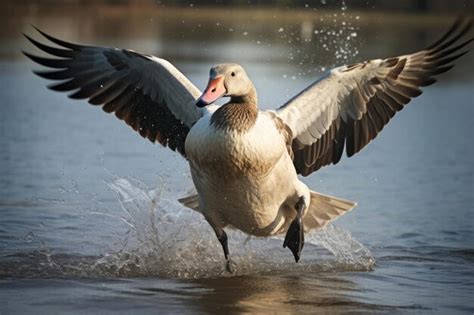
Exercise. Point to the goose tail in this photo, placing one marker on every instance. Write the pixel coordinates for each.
(191, 202)
(324, 209)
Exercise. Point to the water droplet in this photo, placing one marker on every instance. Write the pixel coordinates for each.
(280, 30)
(29, 237)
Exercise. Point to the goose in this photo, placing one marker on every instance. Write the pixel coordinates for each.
(245, 163)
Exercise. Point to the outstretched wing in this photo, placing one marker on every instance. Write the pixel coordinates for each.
(350, 105)
(148, 93)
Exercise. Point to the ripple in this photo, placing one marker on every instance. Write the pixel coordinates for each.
(438, 254)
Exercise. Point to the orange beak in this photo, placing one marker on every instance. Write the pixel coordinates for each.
(214, 90)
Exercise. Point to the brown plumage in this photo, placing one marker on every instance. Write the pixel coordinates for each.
(235, 116)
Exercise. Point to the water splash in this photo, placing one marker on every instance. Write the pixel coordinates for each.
(338, 36)
(334, 32)
(168, 240)
(164, 239)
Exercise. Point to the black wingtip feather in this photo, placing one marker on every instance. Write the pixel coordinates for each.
(450, 59)
(449, 41)
(54, 75)
(59, 41)
(457, 23)
(447, 52)
(52, 63)
(440, 70)
(428, 82)
(79, 95)
(51, 50)
(64, 86)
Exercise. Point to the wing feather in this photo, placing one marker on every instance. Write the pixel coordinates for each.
(350, 105)
(147, 92)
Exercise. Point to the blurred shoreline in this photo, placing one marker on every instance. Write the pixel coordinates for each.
(10, 9)
(76, 20)
(440, 6)
(279, 34)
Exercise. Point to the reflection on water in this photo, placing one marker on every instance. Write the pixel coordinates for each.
(67, 244)
(258, 294)
(263, 294)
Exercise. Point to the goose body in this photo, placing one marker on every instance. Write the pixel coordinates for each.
(245, 179)
(245, 162)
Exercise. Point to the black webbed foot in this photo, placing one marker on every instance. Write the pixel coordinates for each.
(230, 266)
(294, 238)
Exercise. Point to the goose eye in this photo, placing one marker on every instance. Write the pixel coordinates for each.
(233, 74)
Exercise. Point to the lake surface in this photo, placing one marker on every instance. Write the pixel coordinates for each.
(89, 220)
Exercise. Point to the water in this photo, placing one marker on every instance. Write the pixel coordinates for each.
(89, 218)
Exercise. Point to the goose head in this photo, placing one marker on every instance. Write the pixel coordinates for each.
(227, 80)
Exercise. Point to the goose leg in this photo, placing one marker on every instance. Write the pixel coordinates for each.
(222, 237)
(294, 238)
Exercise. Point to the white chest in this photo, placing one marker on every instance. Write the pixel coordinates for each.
(225, 152)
